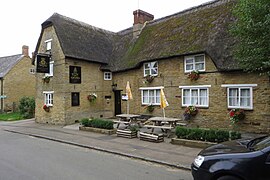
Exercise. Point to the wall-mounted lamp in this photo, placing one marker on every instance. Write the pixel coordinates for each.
(114, 86)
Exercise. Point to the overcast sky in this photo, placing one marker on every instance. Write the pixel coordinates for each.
(21, 19)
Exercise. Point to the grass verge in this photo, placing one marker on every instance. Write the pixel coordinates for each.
(11, 116)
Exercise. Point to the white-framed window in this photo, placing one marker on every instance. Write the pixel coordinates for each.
(240, 95)
(151, 68)
(48, 44)
(150, 95)
(48, 98)
(195, 95)
(195, 62)
(51, 69)
(32, 71)
(107, 76)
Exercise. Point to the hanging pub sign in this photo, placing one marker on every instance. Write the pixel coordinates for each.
(43, 63)
(75, 74)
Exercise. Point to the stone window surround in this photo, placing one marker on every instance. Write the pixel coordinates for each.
(150, 89)
(240, 86)
(196, 88)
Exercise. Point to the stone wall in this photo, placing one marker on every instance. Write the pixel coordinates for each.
(17, 83)
(92, 82)
(171, 75)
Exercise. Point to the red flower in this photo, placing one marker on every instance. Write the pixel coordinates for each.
(231, 113)
(45, 106)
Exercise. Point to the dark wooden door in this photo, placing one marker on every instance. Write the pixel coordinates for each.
(117, 102)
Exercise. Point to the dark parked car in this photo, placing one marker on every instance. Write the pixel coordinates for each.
(244, 159)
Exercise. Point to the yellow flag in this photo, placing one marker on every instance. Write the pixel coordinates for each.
(128, 91)
(163, 102)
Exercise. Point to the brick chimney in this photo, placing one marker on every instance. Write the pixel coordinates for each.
(25, 50)
(140, 17)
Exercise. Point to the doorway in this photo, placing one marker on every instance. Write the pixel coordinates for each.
(117, 102)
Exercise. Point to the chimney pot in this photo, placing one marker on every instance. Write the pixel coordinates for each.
(140, 17)
(25, 50)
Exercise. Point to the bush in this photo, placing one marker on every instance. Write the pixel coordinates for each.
(210, 135)
(27, 107)
(84, 121)
(97, 123)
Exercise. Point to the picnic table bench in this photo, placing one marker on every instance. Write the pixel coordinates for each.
(164, 123)
(126, 119)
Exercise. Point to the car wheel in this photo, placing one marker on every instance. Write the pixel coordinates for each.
(228, 178)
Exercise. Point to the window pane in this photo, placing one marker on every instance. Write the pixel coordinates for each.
(245, 97)
(199, 66)
(151, 97)
(199, 59)
(194, 96)
(153, 71)
(189, 61)
(48, 45)
(233, 97)
(147, 72)
(189, 67)
(158, 96)
(154, 65)
(203, 97)
(199, 62)
(146, 66)
(51, 98)
(46, 99)
(186, 96)
(145, 97)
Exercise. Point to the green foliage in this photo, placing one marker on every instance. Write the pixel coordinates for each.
(27, 107)
(84, 122)
(252, 31)
(134, 128)
(10, 116)
(97, 123)
(235, 135)
(210, 135)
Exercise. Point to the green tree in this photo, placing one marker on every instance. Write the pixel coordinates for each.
(252, 30)
(27, 107)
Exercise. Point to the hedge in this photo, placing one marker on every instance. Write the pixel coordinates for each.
(210, 135)
(97, 123)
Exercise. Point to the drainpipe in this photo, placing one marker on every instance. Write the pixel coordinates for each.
(1, 94)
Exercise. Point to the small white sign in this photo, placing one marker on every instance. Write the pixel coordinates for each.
(3, 97)
(124, 97)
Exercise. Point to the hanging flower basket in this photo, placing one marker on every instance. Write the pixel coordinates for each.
(46, 79)
(194, 75)
(46, 108)
(190, 111)
(92, 97)
(236, 115)
(149, 78)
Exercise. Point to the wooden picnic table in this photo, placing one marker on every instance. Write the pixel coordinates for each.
(126, 119)
(166, 124)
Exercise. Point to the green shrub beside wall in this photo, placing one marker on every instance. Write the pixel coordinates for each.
(27, 107)
(210, 135)
(97, 123)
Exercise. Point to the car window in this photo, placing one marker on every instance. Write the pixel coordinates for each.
(263, 143)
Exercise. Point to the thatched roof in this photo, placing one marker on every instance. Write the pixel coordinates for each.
(200, 29)
(8, 62)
